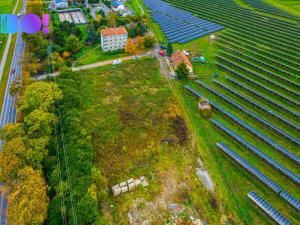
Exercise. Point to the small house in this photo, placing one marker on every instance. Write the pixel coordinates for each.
(178, 57)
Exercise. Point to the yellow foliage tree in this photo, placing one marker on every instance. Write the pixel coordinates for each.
(140, 43)
(130, 47)
(28, 201)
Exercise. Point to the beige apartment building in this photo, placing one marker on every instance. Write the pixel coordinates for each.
(113, 39)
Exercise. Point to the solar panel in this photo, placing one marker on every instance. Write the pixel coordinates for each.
(263, 137)
(282, 119)
(259, 153)
(174, 22)
(268, 209)
(252, 91)
(290, 199)
(253, 115)
(259, 175)
(276, 93)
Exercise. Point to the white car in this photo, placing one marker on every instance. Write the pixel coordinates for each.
(117, 61)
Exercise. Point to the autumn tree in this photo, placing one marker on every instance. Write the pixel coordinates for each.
(130, 47)
(112, 19)
(39, 95)
(28, 201)
(140, 43)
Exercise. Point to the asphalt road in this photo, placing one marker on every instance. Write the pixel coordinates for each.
(8, 113)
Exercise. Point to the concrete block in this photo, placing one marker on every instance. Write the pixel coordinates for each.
(124, 189)
(116, 190)
(143, 181)
(131, 186)
(123, 184)
(131, 180)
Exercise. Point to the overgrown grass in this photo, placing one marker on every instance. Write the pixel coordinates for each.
(129, 110)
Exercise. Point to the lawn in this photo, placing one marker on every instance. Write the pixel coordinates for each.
(129, 111)
(202, 46)
(92, 54)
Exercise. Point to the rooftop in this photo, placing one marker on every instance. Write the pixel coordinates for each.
(114, 31)
(179, 57)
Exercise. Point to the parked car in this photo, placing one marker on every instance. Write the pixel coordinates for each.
(117, 61)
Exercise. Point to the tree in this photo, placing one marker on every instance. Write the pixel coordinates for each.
(39, 95)
(28, 200)
(182, 71)
(130, 47)
(73, 44)
(169, 49)
(140, 45)
(112, 19)
(149, 41)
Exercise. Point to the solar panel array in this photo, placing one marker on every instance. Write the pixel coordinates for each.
(289, 198)
(268, 209)
(256, 151)
(277, 94)
(261, 108)
(259, 175)
(179, 25)
(252, 91)
(265, 7)
(256, 117)
(263, 137)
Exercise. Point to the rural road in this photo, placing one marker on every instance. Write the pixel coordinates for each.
(92, 66)
(8, 113)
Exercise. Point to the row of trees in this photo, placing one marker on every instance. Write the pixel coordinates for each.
(24, 151)
(84, 177)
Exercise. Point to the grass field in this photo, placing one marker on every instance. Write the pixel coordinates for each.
(92, 54)
(130, 109)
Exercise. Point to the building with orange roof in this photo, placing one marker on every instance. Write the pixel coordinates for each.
(178, 57)
(113, 39)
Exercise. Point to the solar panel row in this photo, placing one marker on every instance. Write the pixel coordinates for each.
(276, 93)
(246, 111)
(260, 107)
(179, 25)
(259, 153)
(260, 68)
(268, 209)
(290, 199)
(283, 77)
(252, 91)
(265, 7)
(259, 175)
(263, 137)
(266, 180)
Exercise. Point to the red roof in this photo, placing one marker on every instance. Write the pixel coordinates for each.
(179, 57)
(114, 31)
